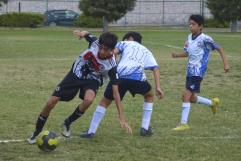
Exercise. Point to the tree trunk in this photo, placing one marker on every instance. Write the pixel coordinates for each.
(234, 26)
(105, 24)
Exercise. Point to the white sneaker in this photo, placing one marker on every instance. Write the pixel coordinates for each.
(31, 140)
(66, 131)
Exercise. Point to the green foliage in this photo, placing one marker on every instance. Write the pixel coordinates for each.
(87, 21)
(21, 19)
(214, 23)
(228, 10)
(3, 1)
(111, 9)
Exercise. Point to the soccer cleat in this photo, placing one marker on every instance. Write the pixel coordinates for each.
(144, 132)
(32, 139)
(66, 131)
(87, 135)
(181, 127)
(215, 104)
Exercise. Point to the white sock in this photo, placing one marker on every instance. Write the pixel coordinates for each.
(204, 101)
(97, 117)
(185, 112)
(146, 115)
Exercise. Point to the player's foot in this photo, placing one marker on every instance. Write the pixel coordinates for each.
(181, 127)
(87, 135)
(32, 139)
(144, 132)
(66, 131)
(214, 106)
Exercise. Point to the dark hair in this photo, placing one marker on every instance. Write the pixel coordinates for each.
(135, 35)
(199, 19)
(108, 39)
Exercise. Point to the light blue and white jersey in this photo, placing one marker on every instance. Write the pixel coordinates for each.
(135, 58)
(198, 50)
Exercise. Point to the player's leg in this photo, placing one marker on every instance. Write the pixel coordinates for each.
(88, 99)
(97, 117)
(186, 105)
(42, 118)
(146, 114)
(143, 88)
(101, 108)
(214, 103)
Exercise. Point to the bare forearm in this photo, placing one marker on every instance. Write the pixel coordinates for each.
(179, 55)
(156, 73)
(224, 59)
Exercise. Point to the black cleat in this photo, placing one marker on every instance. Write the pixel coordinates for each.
(144, 132)
(87, 135)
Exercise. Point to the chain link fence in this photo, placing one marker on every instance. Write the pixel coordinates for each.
(146, 12)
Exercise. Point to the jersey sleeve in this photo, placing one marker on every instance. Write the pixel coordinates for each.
(150, 61)
(185, 48)
(113, 75)
(120, 46)
(90, 38)
(210, 43)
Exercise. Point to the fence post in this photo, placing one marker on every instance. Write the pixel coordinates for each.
(19, 6)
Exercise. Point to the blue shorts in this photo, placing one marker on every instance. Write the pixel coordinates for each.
(193, 83)
(124, 85)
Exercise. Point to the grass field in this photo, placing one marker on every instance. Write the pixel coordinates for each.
(33, 61)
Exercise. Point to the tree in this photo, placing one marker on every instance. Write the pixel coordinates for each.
(109, 10)
(226, 10)
(3, 1)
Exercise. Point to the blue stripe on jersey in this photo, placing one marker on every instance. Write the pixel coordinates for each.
(120, 46)
(204, 62)
(151, 68)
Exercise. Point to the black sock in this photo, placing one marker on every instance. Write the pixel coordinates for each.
(40, 124)
(74, 116)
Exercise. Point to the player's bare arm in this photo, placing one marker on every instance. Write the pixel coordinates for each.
(179, 55)
(226, 66)
(159, 92)
(80, 34)
(120, 109)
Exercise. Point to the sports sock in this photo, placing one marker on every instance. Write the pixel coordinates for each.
(97, 117)
(204, 101)
(74, 116)
(185, 112)
(40, 124)
(146, 115)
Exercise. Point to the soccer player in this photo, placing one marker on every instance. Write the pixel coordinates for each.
(85, 76)
(197, 49)
(135, 58)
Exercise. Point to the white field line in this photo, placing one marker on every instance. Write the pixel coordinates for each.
(24, 140)
(176, 137)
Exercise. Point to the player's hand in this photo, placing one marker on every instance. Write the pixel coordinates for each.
(159, 93)
(80, 34)
(125, 126)
(226, 68)
(174, 55)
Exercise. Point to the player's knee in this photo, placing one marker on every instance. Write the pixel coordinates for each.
(52, 102)
(88, 101)
(148, 97)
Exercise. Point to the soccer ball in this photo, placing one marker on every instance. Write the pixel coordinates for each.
(47, 141)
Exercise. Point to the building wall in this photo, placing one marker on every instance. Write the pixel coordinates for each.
(146, 12)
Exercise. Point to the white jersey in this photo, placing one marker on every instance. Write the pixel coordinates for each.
(89, 66)
(135, 58)
(198, 50)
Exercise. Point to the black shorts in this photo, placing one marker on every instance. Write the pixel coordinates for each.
(124, 85)
(193, 83)
(70, 85)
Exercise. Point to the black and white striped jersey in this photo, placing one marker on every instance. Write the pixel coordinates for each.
(89, 66)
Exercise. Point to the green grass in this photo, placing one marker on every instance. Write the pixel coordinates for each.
(33, 61)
